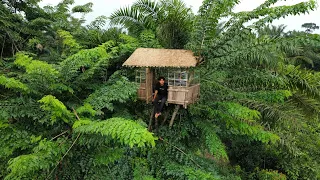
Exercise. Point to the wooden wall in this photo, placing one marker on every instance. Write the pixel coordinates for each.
(176, 95)
(183, 95)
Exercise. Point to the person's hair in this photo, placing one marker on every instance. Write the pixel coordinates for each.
(161, 78)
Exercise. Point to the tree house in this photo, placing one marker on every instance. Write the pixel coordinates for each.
(175, 65)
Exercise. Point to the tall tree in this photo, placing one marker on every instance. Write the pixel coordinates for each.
(251, 95)
(169, 20)
(272, 31)
(310, 27)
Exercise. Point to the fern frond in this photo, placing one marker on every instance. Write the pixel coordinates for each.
(238, 111)
(44, 156)
(128, 17)
(151, 8)
(20, 108)
(186, 172)
(310, 106)
(282, 11)
(12, 139)
(213, 141)
(301, 80)
(207, 21)
(86, 8)
(86, 109)
(125, 131)
(108, 156)
(286, 113)
(85, 63)
(246, 126)
(35, 67)
(70, 44)
(56, 109)
(277, 96)
(141, 170)
(12, 83)
(120, 90)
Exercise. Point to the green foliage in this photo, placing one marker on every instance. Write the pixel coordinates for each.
(20, 108)
(278, 96)
(86, 61)
(108, 156)
(310, 27)
(256, 132)
(12, 83)
(12, 139)
(148, 39)
(83, 8)
(257, 116)
(268, 175)
(69, 43)
(44, 156)
(86, 109)
(40, 75)
(185, 172)
(35, 67)
(56, 109)
(169, 20)
(239, 112)
(141, 170)
(118, 89)
(212, 141)
(127, 132)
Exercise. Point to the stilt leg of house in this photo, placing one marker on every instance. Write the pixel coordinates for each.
(151, 119)
(165, 117)
(156, 124)
(176, 109)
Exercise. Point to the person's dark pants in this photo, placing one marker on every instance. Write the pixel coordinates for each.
(160, 105)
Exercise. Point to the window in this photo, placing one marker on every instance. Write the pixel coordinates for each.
(177, 78)
(140, 76)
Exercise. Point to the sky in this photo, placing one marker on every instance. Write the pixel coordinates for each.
(106, 7)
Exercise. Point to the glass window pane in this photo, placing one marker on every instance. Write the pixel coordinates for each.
(178, 76)
(170, 82)
(184, 75)
(171, 75)
(183, 83)
(177, 83)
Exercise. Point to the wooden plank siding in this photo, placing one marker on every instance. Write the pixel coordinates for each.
(183, 95)
(176, 95)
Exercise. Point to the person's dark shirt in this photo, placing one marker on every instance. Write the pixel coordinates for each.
(162, 90)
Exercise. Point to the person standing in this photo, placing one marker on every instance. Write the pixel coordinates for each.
(161, 93)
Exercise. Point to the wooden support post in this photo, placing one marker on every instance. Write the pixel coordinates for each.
(156, 126)
(176, 109)
(165, 117)
(151, 119)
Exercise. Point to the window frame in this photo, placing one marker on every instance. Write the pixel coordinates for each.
(175, 77)
(138, 75)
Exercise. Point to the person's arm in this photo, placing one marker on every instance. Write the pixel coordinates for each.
(155, 95)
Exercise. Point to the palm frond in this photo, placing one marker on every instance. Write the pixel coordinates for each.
(127, 17)
(148, 7)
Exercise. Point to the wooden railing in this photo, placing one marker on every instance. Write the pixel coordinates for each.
(183, 95)
(176, 95)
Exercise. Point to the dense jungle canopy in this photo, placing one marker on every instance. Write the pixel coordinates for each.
(69, 111)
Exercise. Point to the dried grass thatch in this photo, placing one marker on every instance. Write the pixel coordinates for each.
(149, 57)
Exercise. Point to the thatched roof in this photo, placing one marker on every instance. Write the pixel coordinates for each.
(149, 57)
